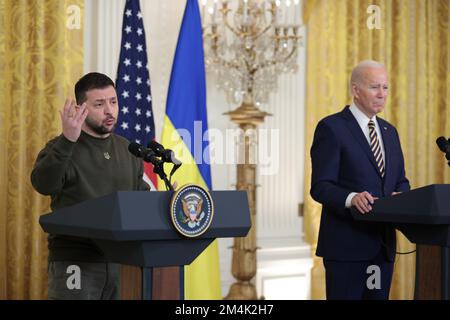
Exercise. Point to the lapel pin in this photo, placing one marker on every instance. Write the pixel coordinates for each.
(385, 128)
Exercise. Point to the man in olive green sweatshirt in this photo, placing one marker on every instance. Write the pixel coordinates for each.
(86, 161)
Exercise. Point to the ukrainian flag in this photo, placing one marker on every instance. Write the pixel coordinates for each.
(185, 124)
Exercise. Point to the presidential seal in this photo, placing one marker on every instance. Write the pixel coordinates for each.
(191, 210)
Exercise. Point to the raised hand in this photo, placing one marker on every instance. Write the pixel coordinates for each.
(72, 118)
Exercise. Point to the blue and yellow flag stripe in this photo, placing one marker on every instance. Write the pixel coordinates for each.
(185, 124)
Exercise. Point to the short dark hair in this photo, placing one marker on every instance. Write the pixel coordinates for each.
(92, 80)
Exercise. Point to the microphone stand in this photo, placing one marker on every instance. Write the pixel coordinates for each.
(447, 156)
(174, 168)
(159, 169)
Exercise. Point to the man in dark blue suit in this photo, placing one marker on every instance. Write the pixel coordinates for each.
(356, 159)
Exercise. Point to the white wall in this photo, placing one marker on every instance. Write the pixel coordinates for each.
(279, 195)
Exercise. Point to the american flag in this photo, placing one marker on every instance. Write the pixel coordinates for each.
(136, 121)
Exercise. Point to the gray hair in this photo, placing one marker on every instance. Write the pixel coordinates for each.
(357, 72)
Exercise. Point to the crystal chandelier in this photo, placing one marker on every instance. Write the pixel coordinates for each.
(248, 43)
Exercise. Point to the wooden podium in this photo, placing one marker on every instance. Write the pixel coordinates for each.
(423, 216)
(134, 228)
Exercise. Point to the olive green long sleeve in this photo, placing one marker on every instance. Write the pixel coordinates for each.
(71, 173)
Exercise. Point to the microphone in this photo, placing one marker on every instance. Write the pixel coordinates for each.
(166, 155)
(146, 154)
(443, 144)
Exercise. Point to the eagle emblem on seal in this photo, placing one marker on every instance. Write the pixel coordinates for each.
(192, 208)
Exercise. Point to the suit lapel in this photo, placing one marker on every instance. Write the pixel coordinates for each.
(355, 129)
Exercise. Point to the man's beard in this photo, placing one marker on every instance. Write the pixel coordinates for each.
(99, 129)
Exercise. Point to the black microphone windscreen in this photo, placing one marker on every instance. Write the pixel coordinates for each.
(442, 144)
(156, 147)
(135, 148)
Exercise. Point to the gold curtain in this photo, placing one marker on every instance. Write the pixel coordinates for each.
(413, 42)
(41, 56)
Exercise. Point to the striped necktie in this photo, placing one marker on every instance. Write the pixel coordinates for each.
(376, 148)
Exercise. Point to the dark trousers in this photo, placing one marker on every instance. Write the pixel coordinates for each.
(71, 280)
(354, 280)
